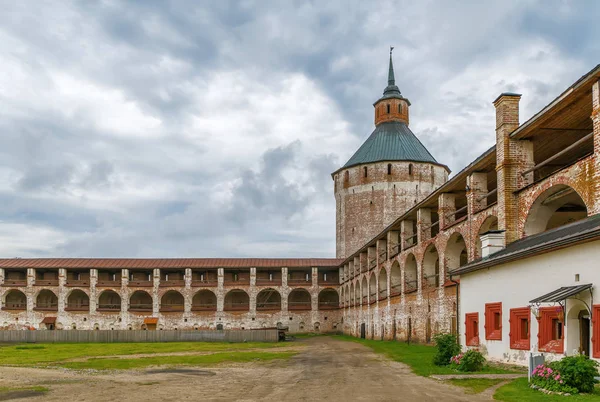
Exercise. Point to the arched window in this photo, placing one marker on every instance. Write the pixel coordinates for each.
(388, 109)
(410, 169)
(365, 171)
(399, 108)
(346, 176)
(389, 168)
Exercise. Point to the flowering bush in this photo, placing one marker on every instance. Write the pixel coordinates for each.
(544, 376)
(447, 346)
(471, 360)
(577, 372)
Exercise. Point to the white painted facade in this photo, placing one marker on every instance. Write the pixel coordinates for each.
(516, 283)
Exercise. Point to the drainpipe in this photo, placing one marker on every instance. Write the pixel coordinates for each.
(457, 309)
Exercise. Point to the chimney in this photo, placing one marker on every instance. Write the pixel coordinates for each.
(491, 242)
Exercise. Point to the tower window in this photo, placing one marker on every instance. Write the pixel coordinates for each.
(346, 176)
(389, 168)
(410, 169)
(399, 108)
(388, 109)
(365, 171)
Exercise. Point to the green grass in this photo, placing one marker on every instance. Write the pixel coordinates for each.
(30, 355)
(418, 357)
(201, 360)
(519, 391)
(10, 393)
(475, 385)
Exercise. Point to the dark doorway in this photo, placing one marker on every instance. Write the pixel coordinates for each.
(363, 330)
(219, 327)
(584, 333)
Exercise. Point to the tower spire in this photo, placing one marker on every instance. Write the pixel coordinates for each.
(391, 79)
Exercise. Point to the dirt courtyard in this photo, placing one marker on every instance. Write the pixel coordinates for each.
(324, 369)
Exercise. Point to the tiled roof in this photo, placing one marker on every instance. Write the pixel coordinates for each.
(391, 141)
(150, 263)
(583, 230)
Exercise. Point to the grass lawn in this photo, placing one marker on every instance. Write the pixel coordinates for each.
(475, 385)
(51, 353)
(418, 357)
(201, 360)
(519, 391)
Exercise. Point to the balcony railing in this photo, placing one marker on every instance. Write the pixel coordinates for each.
(394, 250)
(15, 282)
(395, 290)
(329, 281)
(268, 306)
(239, 282)
(382, 294)
(141, 284)
(372, 263)
(108, 284)
(140, 307)
(46, 307)
(204, 307)
(15, 306)
(365, 300)
(328, 305)
(171, 308)
(299, 306)
(172, 283)
(268, 282)
(108, 307)
(204, 283)
(431, 280)
(372, 298)
(410, 286)
(46, 282)
(236, 307)
(383, 256)
(299, 282)
(79, 283)
(77, 307)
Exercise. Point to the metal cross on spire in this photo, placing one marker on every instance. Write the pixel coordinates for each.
(391, 79)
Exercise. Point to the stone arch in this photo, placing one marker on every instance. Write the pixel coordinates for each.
(554, 207)
(15, 300)
(204, 300)
(431, 267)
(172, 301)
(411, 278)
(489, 223)
(351, 296)
(140, 300)
(455, 252)
(365, 290)
(383, 293)
(46, 300)
(395, 279)
(236, 300)
(78, 300)
(299, 299)
(328, 299)
(372, 288)
(109, 300)
(268, 300)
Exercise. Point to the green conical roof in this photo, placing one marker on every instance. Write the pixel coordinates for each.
(391, 141)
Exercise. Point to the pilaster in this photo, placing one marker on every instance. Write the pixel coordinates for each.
(446, 209)
(423, 224)
(596, 124)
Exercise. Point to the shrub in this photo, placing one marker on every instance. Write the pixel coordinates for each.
(548, 378)
(471, 360)
(447, 346)
(577, 372)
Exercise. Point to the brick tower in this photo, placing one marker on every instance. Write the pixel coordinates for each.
(389, 173)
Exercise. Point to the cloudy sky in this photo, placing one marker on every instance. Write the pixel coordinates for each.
(211, 128)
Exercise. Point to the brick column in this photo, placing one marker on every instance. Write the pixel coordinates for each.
(477, 189)
(62, 290)
(252, 291)
(1, 276)
(446, 209)
(380, 248)
(406, 232)
(596, 122)
(220, 290)
(124, 291)
(314, 288)
(93, 293)
(423, 224)
(364, 263)
(512, 158)
(284, 289)
(155, 296)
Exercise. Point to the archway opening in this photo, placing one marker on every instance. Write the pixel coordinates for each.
(140, 301)
(364, 291)
(204, 300)
(411, 281)
(555, 207)
(431, 267)
(383, 292)
(46, 301)
(172, 301)
(268, 300)
(15, 300)
(109, 300)
(236, 300)
(328, 299)
(299, 299)
(395, 279)
(78, 300)
(372, 289)
(490, 223)
(456, 252)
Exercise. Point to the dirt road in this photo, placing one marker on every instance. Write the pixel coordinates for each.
(325, 369)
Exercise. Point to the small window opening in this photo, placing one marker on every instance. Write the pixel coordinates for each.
(389, 168)
(346, 176)
(399, 108)
(388, 109)
(365, 171)
(325, 276)
(306, 277)
(557, 329)
(410, 169)
(270, 276)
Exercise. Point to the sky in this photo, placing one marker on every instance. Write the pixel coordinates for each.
(211, 128)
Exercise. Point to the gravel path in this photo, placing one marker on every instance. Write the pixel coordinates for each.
(325, 369)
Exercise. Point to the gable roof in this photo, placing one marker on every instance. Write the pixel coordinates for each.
(391, 141)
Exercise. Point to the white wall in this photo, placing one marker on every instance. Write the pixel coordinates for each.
(517, 282)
